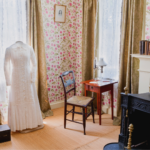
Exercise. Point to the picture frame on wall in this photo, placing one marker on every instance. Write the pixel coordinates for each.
(59, 13)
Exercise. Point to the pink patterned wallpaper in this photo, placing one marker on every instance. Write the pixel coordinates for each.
(147, 22)
(63, 44)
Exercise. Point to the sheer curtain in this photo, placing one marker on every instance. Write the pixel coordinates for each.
(13, 27)
(109, 41)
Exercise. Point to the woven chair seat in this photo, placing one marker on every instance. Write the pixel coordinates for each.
(79, 100)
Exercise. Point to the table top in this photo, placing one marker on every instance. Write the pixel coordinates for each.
(99, 83)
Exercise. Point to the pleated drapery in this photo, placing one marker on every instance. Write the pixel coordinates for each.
(36, 40)
(131, 34)
(89, 20)
(89, 45)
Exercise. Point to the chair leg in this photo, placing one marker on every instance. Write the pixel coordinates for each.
(84, 120)
(92, 109)
(65, 109)
(73, 113)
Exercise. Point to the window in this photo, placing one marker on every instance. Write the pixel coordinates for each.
(109, 45)
(13, 27)
(110, 23)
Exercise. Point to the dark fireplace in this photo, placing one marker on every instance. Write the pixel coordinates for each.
(136, 112)
(141, 132)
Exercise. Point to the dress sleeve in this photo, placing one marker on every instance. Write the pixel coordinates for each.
(34, 65)
(7, 69)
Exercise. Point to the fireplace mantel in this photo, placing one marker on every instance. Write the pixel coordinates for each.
(144, 72)
(141, 56)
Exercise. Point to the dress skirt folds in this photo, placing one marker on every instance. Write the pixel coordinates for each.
(20, 72)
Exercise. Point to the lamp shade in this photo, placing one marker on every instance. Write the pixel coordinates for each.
(101, 62)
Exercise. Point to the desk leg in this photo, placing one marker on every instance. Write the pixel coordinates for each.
(100, 96)
(85, 93)
(112, 99)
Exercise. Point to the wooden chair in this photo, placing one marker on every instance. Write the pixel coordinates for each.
(78, 101)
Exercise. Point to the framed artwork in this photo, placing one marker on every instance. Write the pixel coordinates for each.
(60, 13)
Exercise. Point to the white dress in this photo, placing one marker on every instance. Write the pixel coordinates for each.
(23, 110)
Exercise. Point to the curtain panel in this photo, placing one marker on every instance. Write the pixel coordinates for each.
(36, 40)
(89, 20)
(131, 34)
(88, 41)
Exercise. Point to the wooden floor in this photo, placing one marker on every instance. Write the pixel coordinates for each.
(55, 137)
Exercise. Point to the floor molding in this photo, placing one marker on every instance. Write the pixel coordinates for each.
(57, 104)
(60, 104)
(107, 110)
(115, 111)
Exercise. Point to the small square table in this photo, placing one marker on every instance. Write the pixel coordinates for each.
(100, 87)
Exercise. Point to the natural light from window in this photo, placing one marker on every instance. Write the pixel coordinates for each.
(109, 41)
(13, 27)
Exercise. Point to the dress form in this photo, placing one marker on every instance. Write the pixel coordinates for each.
(24, 110)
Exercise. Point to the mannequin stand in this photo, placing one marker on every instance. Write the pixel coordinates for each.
(31, 130)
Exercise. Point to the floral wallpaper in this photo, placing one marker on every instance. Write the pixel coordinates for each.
(147, 22)
(63, 45)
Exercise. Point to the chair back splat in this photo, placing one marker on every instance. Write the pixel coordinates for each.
(68, 83)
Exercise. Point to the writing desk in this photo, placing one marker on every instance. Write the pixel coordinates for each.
(99, 88)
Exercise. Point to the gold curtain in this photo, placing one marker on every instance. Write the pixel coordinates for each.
(89, 23)
(144, 20)
(131, 34)
(36, 40)
(89, 20)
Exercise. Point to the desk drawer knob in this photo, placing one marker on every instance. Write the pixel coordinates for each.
(91, 87)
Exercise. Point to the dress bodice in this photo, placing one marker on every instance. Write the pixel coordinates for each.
(19, 56)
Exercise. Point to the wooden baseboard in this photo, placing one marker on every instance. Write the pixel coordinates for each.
(115, 111)
(107, 110)
(57, 104)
